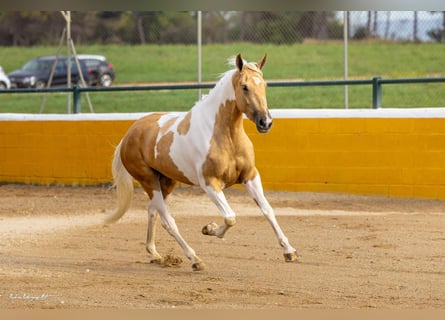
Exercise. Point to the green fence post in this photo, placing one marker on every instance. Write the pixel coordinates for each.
(376, 93)
(76, 99)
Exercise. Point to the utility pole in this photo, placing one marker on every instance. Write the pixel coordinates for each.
(345, 56)
(199, 31)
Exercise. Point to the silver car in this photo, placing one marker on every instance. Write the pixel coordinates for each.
(4, 80)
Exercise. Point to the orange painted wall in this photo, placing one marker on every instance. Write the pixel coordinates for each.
(58, 152)
(385, 156)
(360, 155)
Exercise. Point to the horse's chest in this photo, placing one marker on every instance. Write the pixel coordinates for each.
(227, 165)
(234, 170)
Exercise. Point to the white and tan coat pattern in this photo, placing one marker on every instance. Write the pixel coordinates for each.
(208, 147)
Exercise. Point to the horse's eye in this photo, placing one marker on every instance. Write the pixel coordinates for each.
(245, 89)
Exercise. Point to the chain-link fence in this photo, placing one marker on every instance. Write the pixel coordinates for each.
(42, 28)
(423, 26)
(279, 27)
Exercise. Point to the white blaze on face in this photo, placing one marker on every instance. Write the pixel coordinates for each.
(256, 80)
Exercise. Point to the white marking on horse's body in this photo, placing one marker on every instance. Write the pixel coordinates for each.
(190, 151)
(207, 147)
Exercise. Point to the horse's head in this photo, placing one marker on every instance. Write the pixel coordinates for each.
(250, 93)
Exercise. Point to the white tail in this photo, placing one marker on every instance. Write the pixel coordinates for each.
(124, 187)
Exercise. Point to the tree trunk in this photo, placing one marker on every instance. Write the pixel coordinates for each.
(140, 28)
(320, 25)
(368, 24)
(388, 18)
(415, 38)
(374, 27)
(442, 39)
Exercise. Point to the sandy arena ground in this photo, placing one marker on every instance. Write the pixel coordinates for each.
(356, 252)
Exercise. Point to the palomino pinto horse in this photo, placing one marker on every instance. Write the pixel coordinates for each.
(207, 147)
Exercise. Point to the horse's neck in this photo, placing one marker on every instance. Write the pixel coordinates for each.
(218, 108)
(222, 91)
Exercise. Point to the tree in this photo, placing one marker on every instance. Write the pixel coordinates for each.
(216, 27)
(27, 28)
(141, 27)
(320, 25)
(438, 34)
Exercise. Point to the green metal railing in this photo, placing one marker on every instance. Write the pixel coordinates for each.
(376, 83)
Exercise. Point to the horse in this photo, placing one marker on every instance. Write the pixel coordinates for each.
(207, 147)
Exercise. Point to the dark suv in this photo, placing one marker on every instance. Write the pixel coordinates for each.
(36, 73)
(100, 71)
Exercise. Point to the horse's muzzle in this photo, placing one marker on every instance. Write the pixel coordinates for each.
(263, 124)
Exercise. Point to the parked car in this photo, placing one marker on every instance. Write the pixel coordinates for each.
(100, 71)
(36, 73)
(4, 80)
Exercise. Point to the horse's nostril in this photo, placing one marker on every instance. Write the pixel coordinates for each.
(263, 122)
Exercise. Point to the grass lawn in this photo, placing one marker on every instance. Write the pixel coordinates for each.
(310, 61)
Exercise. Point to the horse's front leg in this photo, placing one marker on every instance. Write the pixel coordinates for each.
(212, 229)
(255, 189)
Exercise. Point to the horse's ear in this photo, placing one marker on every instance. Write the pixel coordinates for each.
(239, 61)
(262, 61)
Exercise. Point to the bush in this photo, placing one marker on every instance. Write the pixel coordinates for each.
(361, 33)
(437, 35)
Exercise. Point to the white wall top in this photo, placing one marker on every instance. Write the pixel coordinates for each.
(276, 113)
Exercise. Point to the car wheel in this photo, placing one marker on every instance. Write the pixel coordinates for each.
(2, 86)
(40, 84)
(105, 80)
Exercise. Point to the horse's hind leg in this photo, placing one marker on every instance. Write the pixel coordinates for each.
(158, 189)
(153, 218)
(167, 186)
(169, 224)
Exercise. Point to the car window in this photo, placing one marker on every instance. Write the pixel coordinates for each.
(60, 66)
(73, 65)
(36, 65)
(91, 63)
(43, 65)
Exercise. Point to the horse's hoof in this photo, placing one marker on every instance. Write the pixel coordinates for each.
(156, 260)
(198, 266)
(290, 257)
(209, 230)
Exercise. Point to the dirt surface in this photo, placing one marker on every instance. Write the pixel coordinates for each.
(356, 252)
